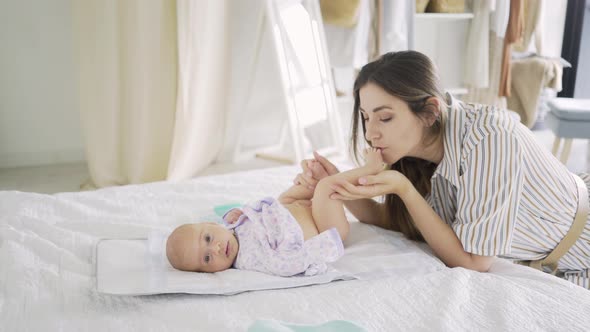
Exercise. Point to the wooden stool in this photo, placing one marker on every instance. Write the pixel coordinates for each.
(568, 118)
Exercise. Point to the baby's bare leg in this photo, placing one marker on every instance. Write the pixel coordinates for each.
(327, 212)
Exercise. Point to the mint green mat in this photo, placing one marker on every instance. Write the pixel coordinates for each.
(278, 326)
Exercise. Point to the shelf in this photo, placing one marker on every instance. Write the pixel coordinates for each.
(457, 91)
(444, 16)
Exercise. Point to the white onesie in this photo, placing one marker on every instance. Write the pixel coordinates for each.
(271, 241)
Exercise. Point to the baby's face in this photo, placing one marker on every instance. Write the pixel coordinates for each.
(203, 247)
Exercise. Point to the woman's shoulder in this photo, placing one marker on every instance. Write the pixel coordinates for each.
(478, 121)
(486, 119)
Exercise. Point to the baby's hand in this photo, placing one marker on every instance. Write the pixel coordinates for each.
(318, 171)
(233, 216)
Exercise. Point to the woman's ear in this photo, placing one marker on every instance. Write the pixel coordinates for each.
(433, 113)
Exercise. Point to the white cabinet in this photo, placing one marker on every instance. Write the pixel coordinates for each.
(443, 38)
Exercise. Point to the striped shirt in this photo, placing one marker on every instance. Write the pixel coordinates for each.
(503, 193)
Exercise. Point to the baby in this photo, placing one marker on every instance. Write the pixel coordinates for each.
(283, 237)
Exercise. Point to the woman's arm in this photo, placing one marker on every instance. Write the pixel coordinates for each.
(439, 236)
(366, 210)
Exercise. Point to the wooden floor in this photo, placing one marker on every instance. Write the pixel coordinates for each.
(52, 179)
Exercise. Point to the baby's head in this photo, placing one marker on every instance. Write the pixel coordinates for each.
(202, 247)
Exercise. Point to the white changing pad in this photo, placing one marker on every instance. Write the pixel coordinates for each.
(131, 267)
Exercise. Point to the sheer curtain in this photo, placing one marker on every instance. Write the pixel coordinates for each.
(150, 84)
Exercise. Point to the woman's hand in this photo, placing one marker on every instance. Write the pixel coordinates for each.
(313, 170)
(383, 183)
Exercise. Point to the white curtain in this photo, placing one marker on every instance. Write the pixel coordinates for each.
(203, 55)
(151, 75)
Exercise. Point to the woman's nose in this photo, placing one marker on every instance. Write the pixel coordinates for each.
(371, 133)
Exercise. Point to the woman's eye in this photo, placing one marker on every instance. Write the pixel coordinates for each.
(207, 259)
(386, 120)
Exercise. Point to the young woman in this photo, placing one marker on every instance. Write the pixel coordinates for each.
(468, 179)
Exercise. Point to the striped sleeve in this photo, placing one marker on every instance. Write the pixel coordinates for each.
(488, 194)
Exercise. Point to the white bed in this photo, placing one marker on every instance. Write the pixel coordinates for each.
(47, 273)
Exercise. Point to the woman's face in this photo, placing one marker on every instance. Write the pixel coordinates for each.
(390, 124)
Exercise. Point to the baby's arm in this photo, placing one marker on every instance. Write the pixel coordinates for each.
(299, 192)
(232, 215)
(295, 193)
(327, 212)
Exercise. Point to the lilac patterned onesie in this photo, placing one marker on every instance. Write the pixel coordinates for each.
(271, 241)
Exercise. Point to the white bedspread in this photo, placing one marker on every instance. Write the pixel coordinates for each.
(47, 276)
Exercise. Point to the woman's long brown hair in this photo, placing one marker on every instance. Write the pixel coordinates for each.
(410, 76)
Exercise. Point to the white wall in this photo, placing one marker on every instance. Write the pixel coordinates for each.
(39, 121)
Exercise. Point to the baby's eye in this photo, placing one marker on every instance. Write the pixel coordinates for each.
(207, 258)
(207, 238)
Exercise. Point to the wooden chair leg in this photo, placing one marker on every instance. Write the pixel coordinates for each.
(556, 144)
(567, 147)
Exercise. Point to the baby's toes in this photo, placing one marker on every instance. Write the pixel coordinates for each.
(374, 153)
(374, 157)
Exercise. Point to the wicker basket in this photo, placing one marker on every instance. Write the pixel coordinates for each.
(421, 5)
(446, 6)
(342, 13)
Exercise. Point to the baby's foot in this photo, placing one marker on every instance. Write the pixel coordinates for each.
(317, 170)
(373, 160)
